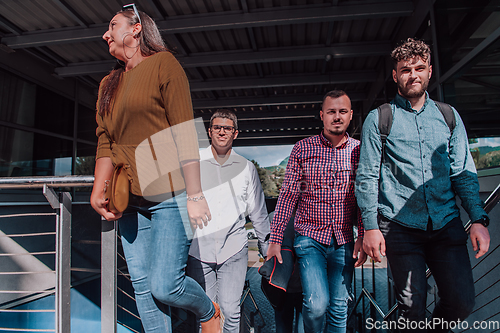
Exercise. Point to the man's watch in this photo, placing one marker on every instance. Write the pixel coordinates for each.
(484, 221)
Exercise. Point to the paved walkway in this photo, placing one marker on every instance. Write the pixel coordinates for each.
(254, 321)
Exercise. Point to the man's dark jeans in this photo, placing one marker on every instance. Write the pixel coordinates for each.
(444, 251)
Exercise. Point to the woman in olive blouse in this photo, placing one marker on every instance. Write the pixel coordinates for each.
(145, 120)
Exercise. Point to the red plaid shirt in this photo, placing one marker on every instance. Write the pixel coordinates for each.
(320, 179)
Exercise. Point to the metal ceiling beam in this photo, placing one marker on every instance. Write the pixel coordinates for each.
(71, 12)
(85, 68)
(343, 50)
(7, 25)
(466, 61)
(475, 107)
(283, 125)
(178, 45)
(290, 139)
(257, 101)
(473, 91)
(484, 71)
(244, 6)
(156, 10)
(474, 17)
(279, 134)
(465, 5)
(51, 37)
(494, 128)
(266, 82)
(480, 83)
(310, 53)
(382, 76)
(53, 56)
(279, 16)
(413, 23)
(266, 117)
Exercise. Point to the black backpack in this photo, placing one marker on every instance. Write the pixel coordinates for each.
(385, 120)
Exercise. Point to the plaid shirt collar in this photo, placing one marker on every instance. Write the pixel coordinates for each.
(327, 143)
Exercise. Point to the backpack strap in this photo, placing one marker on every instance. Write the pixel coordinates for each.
(447, 112)
(385, 119)
(384, 122)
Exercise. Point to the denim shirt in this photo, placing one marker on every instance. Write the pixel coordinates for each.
(424, 167)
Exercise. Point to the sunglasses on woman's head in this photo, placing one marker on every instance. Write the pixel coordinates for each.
(134, 8)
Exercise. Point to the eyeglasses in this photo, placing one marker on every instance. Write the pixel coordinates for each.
(218, 128)
(135, 10)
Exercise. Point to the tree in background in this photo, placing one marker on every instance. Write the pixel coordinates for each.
(268, 184)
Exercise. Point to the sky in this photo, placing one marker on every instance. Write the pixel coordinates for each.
(265, 155)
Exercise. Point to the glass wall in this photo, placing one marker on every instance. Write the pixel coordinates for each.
(37, 131)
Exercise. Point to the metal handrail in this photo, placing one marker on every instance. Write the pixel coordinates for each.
(49, 181)
(62, 204)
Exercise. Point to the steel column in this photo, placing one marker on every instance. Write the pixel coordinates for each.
(108, 276)
(62, 204)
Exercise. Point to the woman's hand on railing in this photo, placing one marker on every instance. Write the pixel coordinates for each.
(101, 207)
(103, 170)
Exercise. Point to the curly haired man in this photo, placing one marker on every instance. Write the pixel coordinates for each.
(408, 203)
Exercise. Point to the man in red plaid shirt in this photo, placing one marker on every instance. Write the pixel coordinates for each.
(319, 181)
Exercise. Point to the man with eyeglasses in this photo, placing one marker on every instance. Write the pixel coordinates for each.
(218, 255)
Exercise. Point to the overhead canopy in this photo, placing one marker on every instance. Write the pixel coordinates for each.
(272, 61)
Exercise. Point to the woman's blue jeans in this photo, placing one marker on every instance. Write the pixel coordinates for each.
(326, 273)
(155, 240)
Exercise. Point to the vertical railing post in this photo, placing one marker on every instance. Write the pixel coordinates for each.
(62, 204)
(363, 318)
(108, 276)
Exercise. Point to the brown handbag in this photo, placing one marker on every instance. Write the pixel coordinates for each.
(116, 190)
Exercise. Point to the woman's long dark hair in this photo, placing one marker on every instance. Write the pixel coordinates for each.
(150, 42)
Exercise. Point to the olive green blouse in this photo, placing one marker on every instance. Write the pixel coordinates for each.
(150, 127)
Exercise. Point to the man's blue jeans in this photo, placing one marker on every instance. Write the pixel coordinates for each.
(326, 274)
(445, 253)
(155, 240)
